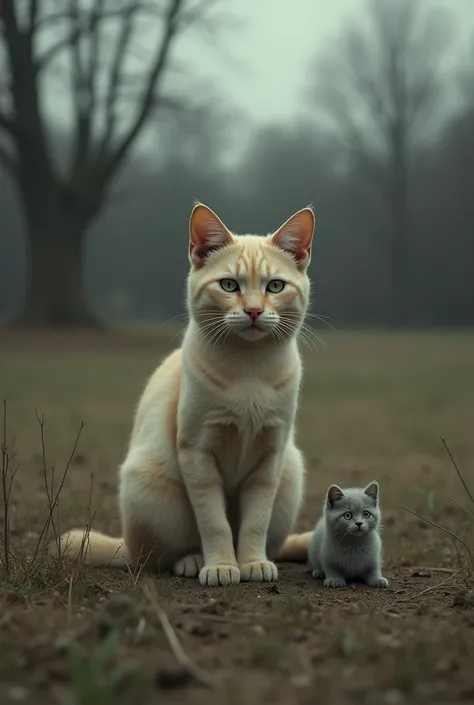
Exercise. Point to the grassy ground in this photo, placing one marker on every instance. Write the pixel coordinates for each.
(374, 406)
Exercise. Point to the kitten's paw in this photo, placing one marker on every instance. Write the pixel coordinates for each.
(377, 582)
(335, 582)
(317, 573)
(258, 571)
(189, 566)
(215, 575)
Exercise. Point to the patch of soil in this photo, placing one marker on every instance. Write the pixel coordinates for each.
(412, 642)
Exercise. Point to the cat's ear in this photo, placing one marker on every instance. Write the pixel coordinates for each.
(334, 494)
(372, 491)
(295, 237)
(207, 233)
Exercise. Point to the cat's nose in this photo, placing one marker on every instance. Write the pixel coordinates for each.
(359, 524)
(253, 313)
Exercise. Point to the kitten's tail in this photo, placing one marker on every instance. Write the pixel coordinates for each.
(93, 548)
(295, 548)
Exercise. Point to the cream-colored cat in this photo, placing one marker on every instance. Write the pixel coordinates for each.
(213, 481)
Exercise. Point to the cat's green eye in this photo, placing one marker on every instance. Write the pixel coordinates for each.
(348, 516)
(275, 286)
(229, 285)
(366, 514)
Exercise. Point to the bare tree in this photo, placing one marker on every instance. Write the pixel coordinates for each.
(113, 86)
(381, 89)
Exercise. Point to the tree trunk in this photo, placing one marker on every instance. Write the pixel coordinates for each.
(55, 295)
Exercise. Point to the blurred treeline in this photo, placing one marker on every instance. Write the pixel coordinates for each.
(352, 171)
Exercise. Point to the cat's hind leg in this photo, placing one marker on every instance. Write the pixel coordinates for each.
(287, 501)
(160, 530)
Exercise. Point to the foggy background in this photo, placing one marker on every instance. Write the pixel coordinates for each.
(116, 114)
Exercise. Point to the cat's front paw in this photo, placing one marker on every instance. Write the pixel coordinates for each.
(215, 575)
(377, 582)
(334, 582)
(189, 566)
(258, 571)
(317, 573)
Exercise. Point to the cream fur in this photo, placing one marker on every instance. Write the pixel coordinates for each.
(213, 481)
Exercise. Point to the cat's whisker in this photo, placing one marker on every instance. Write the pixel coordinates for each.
(176, 335)
(222, 331)
(303, 334)
(324, 319)
(213, 332)
(326, 322)
(310, 331)
(210, 324)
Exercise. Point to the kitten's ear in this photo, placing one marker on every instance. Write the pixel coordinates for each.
(207, 233)
(372, 491)
(334, 495)
(296, 236)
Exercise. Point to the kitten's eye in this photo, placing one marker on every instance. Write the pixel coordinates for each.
(366, 514)
(275, 286)
(348, 516)
(229, 285)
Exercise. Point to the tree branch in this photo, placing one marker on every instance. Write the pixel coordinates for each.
(116, 75)
(191, 16)
(84, 78)
(7, 13)
(154, 75)
(83, 28)
(32, 15)
(7, 124)
(94, 58)
(78, 85)
(8, 161)
(175, 21)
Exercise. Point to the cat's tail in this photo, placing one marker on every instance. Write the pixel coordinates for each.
(295, 548)
(93, 548)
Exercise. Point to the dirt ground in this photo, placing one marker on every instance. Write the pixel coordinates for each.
(373, 406)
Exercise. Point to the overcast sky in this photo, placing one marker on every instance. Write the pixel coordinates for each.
(262, 68)
(276, 39)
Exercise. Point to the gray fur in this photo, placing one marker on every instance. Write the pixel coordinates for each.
(344, 549)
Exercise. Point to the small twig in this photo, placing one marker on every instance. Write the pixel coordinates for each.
(53, 500)
(6, 503)
(457, 470)
(431, 569)
(430, 588)
(441, 528)
(80, 558)
(8, 475)
(133, 574)
(69, 599)
(465, 509)
(181, 657)
(220, 618)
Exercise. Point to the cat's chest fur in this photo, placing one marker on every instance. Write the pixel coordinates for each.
(243, 424)
(351, 560)
(240, 423)
(249, 405)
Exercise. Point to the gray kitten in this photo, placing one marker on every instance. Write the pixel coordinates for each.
(346, 543)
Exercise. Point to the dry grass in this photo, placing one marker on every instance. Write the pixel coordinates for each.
(373, 406)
